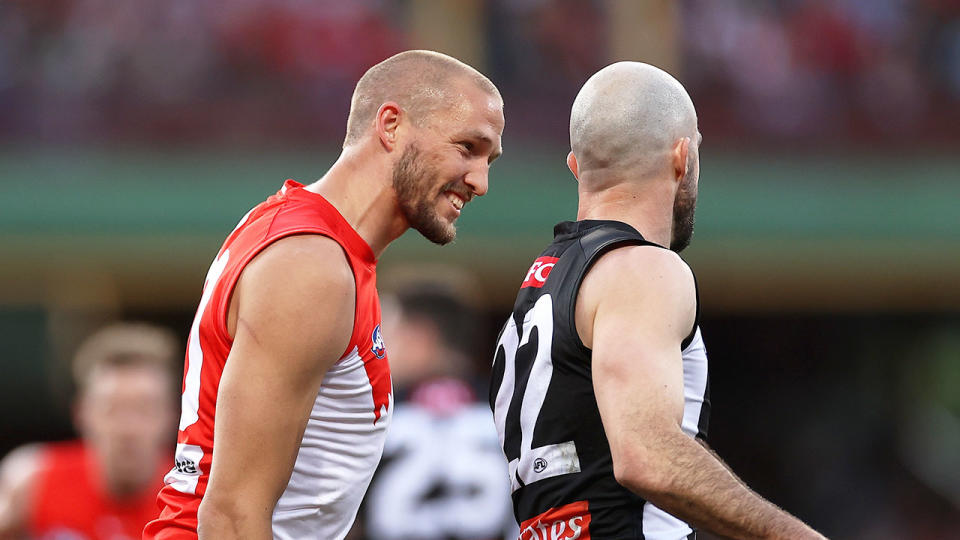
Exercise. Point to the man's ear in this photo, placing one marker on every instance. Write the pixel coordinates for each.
(387, 123)
(679, 158)
(573, 165)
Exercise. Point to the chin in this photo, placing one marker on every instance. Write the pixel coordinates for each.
(440, 236)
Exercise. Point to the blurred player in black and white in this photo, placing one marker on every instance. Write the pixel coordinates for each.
(600, 388)
(442, 476)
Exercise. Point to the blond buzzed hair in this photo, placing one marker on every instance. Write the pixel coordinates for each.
(125, 344)
(419, 81)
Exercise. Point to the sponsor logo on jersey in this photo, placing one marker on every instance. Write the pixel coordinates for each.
(186, 466)
(378, 348)
(539, 270)
(568, 522)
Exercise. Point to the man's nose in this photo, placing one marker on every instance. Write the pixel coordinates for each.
(478, 179)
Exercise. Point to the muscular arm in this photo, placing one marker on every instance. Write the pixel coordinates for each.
(635, 308)
(291, 316)
(17, 472)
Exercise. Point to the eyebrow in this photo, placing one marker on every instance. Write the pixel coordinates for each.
(479, 135)
(699, 138)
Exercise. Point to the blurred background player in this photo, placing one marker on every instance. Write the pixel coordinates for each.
(102, 486)
(442, 474)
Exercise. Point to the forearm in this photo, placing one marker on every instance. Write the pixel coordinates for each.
(695, 486)
(221, 520)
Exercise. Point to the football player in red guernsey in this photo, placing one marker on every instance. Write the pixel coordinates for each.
(104, 486)
(286, 391)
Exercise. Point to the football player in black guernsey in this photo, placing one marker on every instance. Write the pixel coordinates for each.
(600, 388)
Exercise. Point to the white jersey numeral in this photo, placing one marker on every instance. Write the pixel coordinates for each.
(533, 464)
(190, 400)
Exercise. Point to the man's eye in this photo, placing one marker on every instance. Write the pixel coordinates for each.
(467, 145)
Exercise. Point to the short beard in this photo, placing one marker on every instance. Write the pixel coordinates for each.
(412, 182)
(684, 208)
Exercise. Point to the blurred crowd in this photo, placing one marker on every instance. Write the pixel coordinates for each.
(261, 71)
(874, 440)
(841, 69)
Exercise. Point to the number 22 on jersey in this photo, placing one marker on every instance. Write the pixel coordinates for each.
(527, 371)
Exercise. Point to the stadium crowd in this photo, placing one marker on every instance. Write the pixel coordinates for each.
(179, 71)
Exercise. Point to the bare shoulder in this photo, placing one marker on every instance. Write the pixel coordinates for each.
(292, 277)
(632, 278)
(313, 258)
(633, 270)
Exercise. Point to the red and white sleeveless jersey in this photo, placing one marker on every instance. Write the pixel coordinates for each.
(345, 433)
(70, 500)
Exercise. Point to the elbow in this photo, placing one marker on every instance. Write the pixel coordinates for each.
(217, 519)
(234, 517)
(638, 471)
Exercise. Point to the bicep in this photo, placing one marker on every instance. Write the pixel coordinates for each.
(640, 320)
(637, 374)
(294, 318)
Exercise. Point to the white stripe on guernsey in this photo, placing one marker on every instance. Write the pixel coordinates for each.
(694, 383)
(190, 400)
(659, 525)
(510, 341)
(340, 449)
(188, 458)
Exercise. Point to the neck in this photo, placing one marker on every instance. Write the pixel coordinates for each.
(646, 206)
(359, 186)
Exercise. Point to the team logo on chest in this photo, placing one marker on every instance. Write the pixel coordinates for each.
(539, 271)
(378, 349)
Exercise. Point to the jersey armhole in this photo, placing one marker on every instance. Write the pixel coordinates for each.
(696, 318)
(604, 248)
(223, 305)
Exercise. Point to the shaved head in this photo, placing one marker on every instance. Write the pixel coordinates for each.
(627, 118)
(421, 82)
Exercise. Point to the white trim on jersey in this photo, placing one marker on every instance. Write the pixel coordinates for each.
(659, 525)
(694, 383)
(340, 450)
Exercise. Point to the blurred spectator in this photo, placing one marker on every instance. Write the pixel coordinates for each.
(257, 71)
(821, 70)
(103, 486)
(442, 474)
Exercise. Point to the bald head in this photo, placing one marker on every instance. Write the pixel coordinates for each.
(627, 118)
(421, 82)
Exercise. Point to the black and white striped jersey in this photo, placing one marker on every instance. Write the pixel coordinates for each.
(545, 410)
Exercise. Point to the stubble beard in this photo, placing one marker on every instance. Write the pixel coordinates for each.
(413, 181)
(684, 208)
